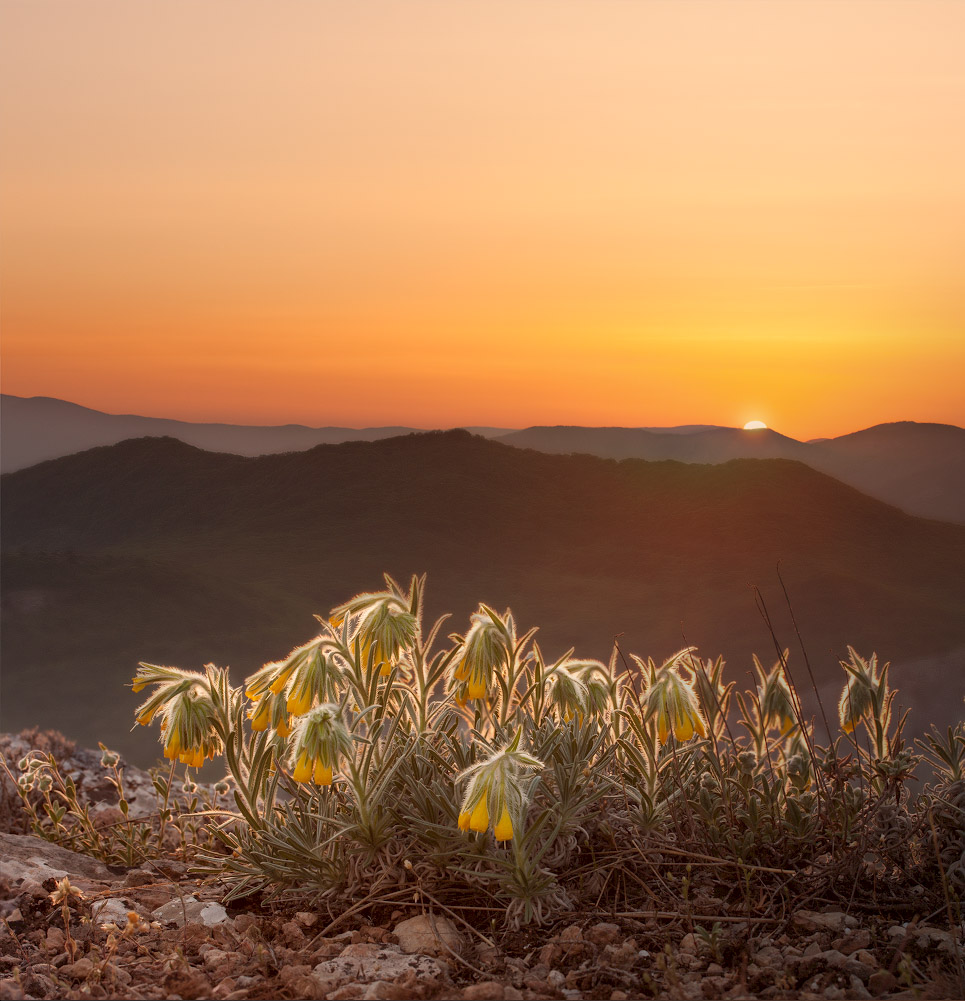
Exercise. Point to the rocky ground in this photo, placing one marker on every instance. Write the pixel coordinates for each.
(155, 931)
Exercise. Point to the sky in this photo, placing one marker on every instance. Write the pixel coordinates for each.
(490, 212)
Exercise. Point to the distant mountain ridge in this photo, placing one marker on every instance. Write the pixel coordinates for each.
(154, 550)
(918, 467)
(36, 428)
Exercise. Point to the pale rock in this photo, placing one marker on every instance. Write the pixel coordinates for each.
(833, 921)
(688, 944)
(604, 933)
(935, 938)
(485, 990)
(214, 958)
(769, 957)
(429, 935)
(555, 979)
(851, 943)
(858, 989)
(110, 909)
(80, 970)
(190, 911)
(24, 857)
(837, 961)
(367, 962)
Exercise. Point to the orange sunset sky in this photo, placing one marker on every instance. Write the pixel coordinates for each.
(505, 213)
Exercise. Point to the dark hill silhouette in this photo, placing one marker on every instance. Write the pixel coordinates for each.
(34, 429)
(152, 549)
(917, 467)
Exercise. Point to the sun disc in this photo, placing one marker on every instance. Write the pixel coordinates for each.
(754, 425)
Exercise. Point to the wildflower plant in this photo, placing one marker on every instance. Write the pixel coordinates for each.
(378, 761)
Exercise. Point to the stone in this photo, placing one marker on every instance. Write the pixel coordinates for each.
(110, 909)
(837, 961)
(55, 939)
(214, 958)
(927, 937)
(688, 944)
(485, 990)
(769, 957)
(604, 933)
(27, 857)
(429, 935)
(882, 982)
(79, 970)
(191, 910)
(849, 944)
(366, 962)
(833, 921)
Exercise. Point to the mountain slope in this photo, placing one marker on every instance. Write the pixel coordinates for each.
(917, 467)
(155, 550)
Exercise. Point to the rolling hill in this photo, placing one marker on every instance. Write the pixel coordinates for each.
(152, 549)
(915, 466)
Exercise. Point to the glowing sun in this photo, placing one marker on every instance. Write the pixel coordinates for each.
(754, 425)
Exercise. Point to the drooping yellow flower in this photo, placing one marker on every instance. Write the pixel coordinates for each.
(145, 716)
(503, 831)
(304, 769)
(172, 747)
(260, 716)
(479, 818)
(300, 701)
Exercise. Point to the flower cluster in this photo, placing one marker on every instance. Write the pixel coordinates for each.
(488, 646)
(305, 675)
(495, 790)
(319, 742)
(774, 697)
(383, 625)
(672, 700)
(183, 701)
(866, 697)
